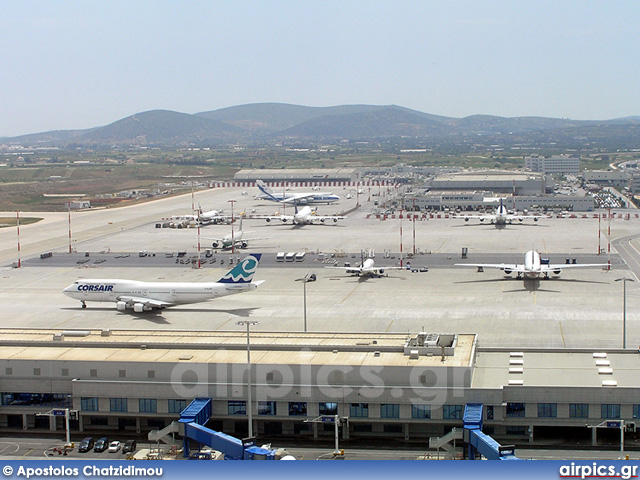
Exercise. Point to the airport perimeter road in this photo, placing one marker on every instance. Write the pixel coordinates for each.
(629, 252)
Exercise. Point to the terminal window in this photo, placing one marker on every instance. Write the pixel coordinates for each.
(58, 400)
(328, 408)
(237, 407)
(298, 409)
(578, 410)
(636, 411)
(489, 412)
(610, 410)
(389, 410)
(89, 404)
(118, 405)
(452, 412)
(267, 408)
(421, 411)
(148, 405)
(547, 410)
(360, 410)
(8, 371)
(177, 405)
(515, 409)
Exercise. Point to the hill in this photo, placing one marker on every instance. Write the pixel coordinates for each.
(264, 123)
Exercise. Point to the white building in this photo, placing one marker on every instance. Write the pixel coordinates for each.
(554, 165)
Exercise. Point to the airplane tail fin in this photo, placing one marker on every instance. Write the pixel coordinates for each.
(243, 272)
(265, 189)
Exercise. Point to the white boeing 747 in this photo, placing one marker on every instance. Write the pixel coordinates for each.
(147, 296)
(306, 198)
(533, 266)
(500, 216)
(305, 216)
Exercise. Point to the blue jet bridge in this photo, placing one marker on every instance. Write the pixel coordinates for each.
(478, 442)
(196, 415)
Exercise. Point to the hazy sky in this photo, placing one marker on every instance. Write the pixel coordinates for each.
(79, 64)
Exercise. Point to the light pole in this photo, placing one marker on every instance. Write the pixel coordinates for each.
(624, 281)
(249, 323)
(233, 242)
(309, 277)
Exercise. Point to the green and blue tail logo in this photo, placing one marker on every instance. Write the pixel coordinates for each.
(243, 272)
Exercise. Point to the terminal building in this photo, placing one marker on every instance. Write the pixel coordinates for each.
(410, 386)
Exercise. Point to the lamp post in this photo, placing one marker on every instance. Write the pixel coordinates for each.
(624, 281)
(233, 242)
(249, 323)
(309, 277)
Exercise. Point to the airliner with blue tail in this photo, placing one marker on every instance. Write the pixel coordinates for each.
(147, 296)
(307, 198)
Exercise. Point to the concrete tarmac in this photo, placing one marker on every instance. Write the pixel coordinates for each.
(580, 309)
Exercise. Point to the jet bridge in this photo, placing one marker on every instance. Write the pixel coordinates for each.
(480, 443)
(192, 421)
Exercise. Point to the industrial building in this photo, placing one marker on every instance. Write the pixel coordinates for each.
(411, 386)
(606, 178)
(320, 176)
(437, 200)
(553, 165)
(517, 183)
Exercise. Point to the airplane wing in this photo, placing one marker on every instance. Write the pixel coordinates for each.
(297, 197)
(276, 218)
(325, 218)
(562, 266)
(150, 302)
(482, 218)
(506, 267)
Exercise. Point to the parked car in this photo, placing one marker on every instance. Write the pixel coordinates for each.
(101, 444)
(114, 446)
(129, 446)
(86, 444)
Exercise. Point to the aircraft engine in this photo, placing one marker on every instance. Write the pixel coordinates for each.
(268, 220)
(284, 220)
(244, 244)
(322, 220)
(520, 220)
(481, 220)
(507, 271)
(335, 220)
(535, 219)
(381, 271)
(215, 244)
(466, 219)
(122, 306)
(139, 307)
(557, 271)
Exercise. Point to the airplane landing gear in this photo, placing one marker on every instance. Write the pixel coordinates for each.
(84, 305)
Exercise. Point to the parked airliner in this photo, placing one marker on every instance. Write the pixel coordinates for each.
(306, 198)
(305, 216)
(533, 266)
(500, 216)
(147, 296)
(235, 239)
(367, 269)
